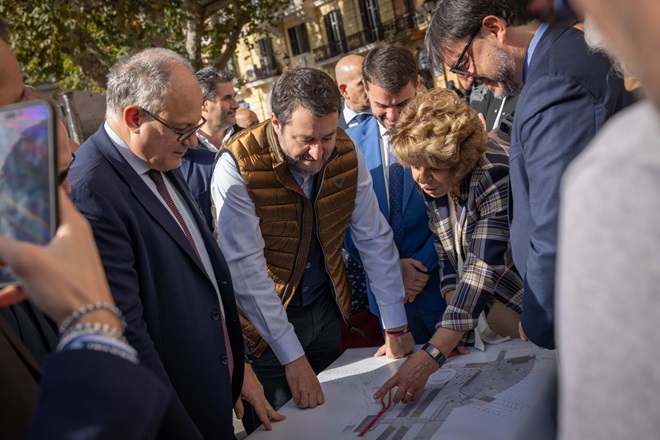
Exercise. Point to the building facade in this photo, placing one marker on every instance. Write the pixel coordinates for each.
(317, 33)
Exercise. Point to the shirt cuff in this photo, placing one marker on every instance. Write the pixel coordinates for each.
(393, 316)
(287, 348)
(105, 344)
(459, 320)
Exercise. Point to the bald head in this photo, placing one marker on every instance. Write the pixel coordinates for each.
(348, 66)
(348, 73)
(246, 118)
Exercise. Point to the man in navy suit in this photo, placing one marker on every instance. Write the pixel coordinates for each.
(219, 110)
(348, 74)
(165, 271)
(569, 92)
(391, 80)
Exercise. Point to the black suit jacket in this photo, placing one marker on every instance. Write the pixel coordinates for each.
(94, 395)
(342, 123)
(165, 294)
(19, 383)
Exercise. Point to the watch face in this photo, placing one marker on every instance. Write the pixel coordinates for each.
(435, 353)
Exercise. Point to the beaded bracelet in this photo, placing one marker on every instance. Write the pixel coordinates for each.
(90, 328)
(90, 308)
(397, 334)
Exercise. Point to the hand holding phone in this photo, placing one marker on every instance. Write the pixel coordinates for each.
(28, 176)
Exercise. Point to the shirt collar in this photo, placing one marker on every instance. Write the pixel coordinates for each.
(382, 130)
(532, 46)
(228, 133)
(135, 162)
(349, 114)
(204, 141)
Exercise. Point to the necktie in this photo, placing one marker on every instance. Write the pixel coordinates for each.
(358, 119)
(157, 177)
(396, 200)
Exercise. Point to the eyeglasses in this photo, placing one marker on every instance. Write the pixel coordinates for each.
(63, 175)
(183, 135)
(455, 68)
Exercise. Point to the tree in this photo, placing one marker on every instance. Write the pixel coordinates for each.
(74, 43)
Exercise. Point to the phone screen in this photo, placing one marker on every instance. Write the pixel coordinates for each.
(28, 181)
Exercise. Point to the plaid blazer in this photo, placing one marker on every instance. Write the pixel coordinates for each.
(488, 268)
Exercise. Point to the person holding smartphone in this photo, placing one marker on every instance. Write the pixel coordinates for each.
(25, 334)
(86, 387)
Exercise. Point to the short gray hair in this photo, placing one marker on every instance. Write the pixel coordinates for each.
(143, 79)
(598, 43)
(209, 78)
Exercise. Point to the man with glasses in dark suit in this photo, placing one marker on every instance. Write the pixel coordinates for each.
(165, 271)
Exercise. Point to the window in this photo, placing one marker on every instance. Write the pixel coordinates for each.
(298, 39)
(266, 51)
(371, 20)
(334, 27)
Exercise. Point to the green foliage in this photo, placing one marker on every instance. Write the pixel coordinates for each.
(74, 43)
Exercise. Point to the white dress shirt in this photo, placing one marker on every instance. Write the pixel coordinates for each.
(242, 244)
(208, 145)
(385, 150)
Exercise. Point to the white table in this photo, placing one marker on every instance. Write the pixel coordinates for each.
(507, 392)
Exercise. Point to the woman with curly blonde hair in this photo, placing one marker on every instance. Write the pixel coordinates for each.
(464, 179)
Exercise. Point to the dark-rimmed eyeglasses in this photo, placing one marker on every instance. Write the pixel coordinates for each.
(183, 134)
(456, 69)
(64, 174)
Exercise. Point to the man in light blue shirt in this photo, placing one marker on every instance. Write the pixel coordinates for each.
(285, 191)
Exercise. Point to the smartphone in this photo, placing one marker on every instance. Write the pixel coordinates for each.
(28, 176)
(506, 126)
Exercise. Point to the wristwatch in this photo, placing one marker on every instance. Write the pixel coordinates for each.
(434, 353)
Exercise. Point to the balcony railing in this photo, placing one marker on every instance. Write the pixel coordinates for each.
(354, 41)
(261, 73)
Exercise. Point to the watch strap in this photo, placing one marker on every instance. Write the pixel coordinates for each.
(436, 354)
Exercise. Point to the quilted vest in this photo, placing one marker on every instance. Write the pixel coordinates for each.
(286, 214)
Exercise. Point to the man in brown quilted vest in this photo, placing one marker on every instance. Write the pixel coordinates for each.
(285, 191)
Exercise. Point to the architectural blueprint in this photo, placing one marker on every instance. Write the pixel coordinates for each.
(507, 392)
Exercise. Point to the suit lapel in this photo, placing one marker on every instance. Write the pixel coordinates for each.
(369, 143)
(551, 34)
(409, 187)
(341, 122)
(148, 199)
(177, 181)
(218, 262)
